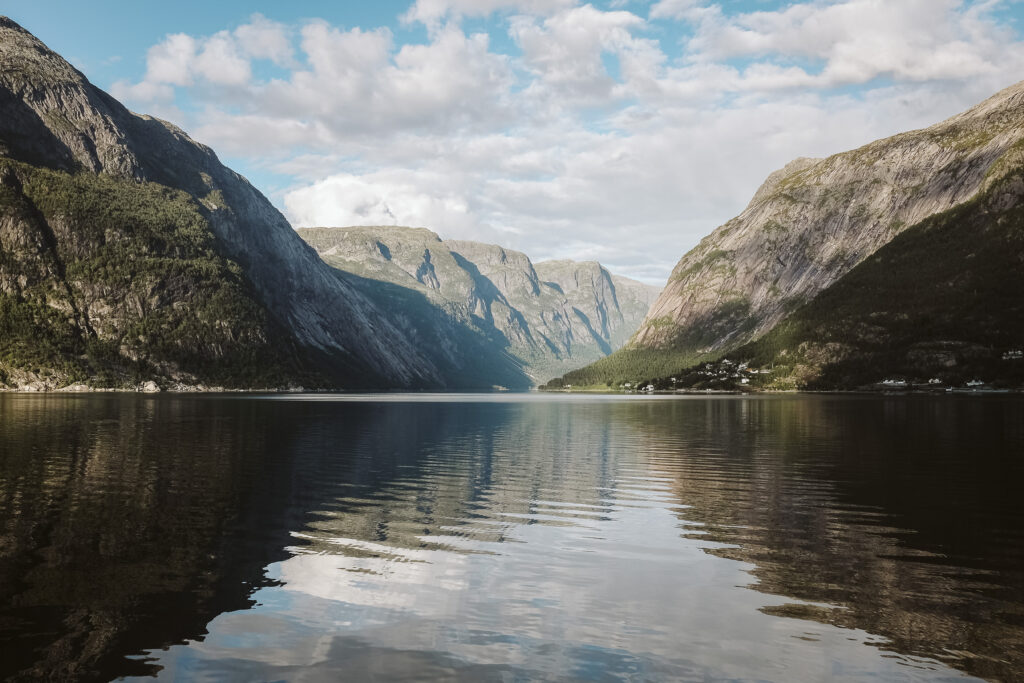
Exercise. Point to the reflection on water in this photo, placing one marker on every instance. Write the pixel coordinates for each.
(512, 538)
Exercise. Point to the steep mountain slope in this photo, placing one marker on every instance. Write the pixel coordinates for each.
(114, 282)
(130, 252)
(548, 317)
(942, 302)
(807, 226)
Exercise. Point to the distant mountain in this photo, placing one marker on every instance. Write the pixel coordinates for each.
(811, 224)
(547, 317)
(129, 254)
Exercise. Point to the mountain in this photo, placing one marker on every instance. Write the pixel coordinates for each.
(942, 303)
(130, 254)
(810, 224)
(547, 317)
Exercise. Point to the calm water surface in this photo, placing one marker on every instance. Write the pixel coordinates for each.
(512, 538)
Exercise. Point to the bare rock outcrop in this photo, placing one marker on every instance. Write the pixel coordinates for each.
(551, 316)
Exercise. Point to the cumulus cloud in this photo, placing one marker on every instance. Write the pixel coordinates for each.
(386, 198)
(601, 133)
(676, 9)
(859, 40)
(262, 38)
(221, 63)
(432, 12)
(356, 84)
(566, 52)
(170, 62)
(223, 59)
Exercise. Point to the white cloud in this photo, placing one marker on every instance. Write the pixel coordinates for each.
(590, 140)
(144, 91)
(221, 63)
(859, 40)
(566, 51)
(386, 198)
(170, 62)
(432, 12)
(223, 59)
(262, 38)
(675, 9)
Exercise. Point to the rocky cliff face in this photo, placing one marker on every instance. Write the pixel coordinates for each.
(52, 118)
(941, 305)
(813, 221)
(550, 317)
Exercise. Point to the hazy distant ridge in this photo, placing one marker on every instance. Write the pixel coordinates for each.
(550, 316)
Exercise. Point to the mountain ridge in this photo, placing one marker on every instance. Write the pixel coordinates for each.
(549, 315)
(52, 118)
(939, 307)
(809, 224)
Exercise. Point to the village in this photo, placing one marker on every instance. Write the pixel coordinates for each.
(723, 375)
(731, 376)
(950, 384)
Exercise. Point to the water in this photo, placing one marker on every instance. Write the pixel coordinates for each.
(512, 538)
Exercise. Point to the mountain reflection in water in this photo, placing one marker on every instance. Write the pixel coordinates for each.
(511, 538)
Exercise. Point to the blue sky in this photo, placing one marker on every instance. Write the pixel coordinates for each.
(621, 131)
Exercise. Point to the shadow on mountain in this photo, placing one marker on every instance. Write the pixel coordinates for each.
(24, 136)
(601, 343)
(942, 300)
(471, 358)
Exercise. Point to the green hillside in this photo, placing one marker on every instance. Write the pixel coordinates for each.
(112, 283)
(944, 300)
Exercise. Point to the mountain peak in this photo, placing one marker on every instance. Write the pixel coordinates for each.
(1009, 101)
(50, 115)
(10, 24)
(26, 60)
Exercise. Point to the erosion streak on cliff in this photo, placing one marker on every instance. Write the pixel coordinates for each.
(550, 317)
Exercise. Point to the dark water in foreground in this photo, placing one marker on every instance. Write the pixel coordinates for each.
(512, 538)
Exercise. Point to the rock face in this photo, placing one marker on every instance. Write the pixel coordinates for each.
(814, 220)
(550, 317)
(56, 131)
(941, 305)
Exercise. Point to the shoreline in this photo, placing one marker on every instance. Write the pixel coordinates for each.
(776, 392)
(191, 390)
(82, 389)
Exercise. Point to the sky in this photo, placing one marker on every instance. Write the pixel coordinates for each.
(618, 130)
